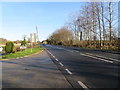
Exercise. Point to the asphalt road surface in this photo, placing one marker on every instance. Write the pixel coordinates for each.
(63, 67)
(37, 71)
(85, 68)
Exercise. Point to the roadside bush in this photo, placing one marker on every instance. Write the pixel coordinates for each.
(17, 48)
(14, 50)
(23, 43)
(28, 46)
(9, 48)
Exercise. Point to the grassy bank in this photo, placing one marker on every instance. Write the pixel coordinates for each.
(22, 53)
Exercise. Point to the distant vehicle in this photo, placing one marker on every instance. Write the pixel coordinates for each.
(23, 47)
(1, 49)
(43, 44)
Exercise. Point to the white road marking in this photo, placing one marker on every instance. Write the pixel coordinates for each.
(96, 58)
(53, 56)
(68, 71)
(61, 64)
(56, 59)
(104, 57)
(68, 50)
(50, 53)
(83, 85)
(114, 59)
(59, 48)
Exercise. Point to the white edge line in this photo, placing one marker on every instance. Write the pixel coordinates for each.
(97, 58)
(104, 57)
(83, 85)
(114, 59)
(68, 71)
(69, 50)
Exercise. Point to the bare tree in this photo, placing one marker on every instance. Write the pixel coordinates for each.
(110, 20)
(62, 36)
(103, 21)
(98, 10)
(93, 23)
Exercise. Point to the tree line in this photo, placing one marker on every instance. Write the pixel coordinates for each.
(94, 25)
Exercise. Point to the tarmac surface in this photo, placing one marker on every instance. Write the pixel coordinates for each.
(37, 71)
(63, 67)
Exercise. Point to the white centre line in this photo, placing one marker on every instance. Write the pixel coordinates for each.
(51, 53)
(96, 58)
(56, 59)
(53, 56)
(61, 64)
(68, 71)
(83, 85)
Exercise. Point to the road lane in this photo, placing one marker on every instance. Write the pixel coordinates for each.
(37, 71)
(96, 52)
(92, 72)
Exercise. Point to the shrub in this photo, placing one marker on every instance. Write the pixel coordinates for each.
(28, 46)
(9, 47)
(23, 43)
(17, 48)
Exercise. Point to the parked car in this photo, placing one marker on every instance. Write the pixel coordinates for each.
(43, 44)
(22, 47)
(1, 49)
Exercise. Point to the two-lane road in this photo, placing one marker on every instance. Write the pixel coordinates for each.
(85, 68)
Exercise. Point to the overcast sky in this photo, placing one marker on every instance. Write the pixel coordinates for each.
(21, 18)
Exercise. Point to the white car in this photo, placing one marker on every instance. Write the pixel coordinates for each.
(1, 49)
(22, 47)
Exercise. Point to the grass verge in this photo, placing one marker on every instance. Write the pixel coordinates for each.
(22, 53)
